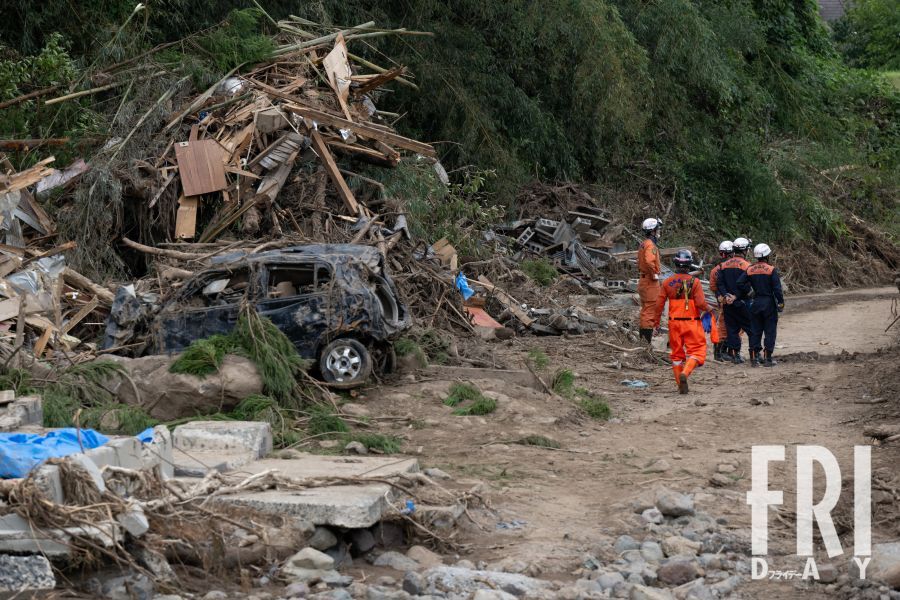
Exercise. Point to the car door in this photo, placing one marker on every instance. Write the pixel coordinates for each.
(297, 300)
(208, 305)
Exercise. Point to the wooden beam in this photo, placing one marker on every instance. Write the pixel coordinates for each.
(363, 129)
(331, 168)
(79, 281)
(80, 315)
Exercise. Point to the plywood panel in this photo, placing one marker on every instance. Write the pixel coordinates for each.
(200, 166)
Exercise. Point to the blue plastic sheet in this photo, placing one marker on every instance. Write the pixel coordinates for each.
(463, 286)
(637, 384)
(21, 452)
(146, 436)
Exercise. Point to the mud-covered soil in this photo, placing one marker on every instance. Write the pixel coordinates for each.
(840, 376)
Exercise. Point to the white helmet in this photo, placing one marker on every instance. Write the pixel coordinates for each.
(741, 244)
(761, 251)
(651, 224)
(726, 246)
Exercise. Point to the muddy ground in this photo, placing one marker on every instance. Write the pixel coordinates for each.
(838, 374)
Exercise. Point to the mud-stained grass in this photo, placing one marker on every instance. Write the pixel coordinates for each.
(539, 441)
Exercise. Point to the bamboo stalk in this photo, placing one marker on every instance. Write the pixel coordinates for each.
(28, 96)
(89, 92)
(321, 40)
(378, 69)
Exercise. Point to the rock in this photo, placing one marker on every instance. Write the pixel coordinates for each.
(725, 468)
(643, 502)
(396, 561)
(720, 480)
(680, 546)
(25, 573)
(358, 589)
(332, 595)
(385, 581)
(361, 541)
(425, 557)
(333, 579)
(307, 576)
(340, 553)
(436, 473)
(698, 591)
(625, 542)
(723, 589)
(659, 465)
(492, 595)
(168, 597)
(383, 593)
(173, 396)
(465, 564)
(652, 516)
(156, 563)
(700, 402)
(355, 448)
(677, 571)
(642, 592)
(509, 565)
(310, 558)
(608, 581)
(455, 582)
(322, 539)
(388, 535)
(298, 588)
(414, 583)
(134, 521)
(673, 504)
(355, 410)
(651, 551)
(770, 401)
(215, 595)
(828, 573)
(885, 558)
(134, 586)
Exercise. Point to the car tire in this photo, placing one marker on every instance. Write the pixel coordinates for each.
(345, 362)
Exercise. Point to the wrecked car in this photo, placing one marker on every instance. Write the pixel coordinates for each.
(336, 303)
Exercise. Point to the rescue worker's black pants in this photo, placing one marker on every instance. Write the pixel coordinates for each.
(737, 319)
(763, 320)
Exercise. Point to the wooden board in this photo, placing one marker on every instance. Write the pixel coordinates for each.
(186, 217)
(201, 167)
(506, 301)
(338, 70)
(331, 168)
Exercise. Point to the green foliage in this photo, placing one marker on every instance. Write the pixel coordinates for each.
(18, 380)
(386, 444)
(595, 406)
(869, 34)
(475, 402)
(203, 357)
(461, 392)
(540, 441)
(540, 270)
(407, 346)
(237, 41)
(81, 386)
(121, 419)
(538, 359)
(564, 383)
(323, 420)
(481, 406)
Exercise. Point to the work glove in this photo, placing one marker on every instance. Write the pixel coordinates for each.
(780, 306)
(706, 321)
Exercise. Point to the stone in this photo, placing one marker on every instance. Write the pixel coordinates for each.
(509, 565)
(385, 581)
(355, 448)
(156, 563)
(383, 593)
(361, 541)
(298, 588)
(388, 534)
(465, 564)
(358, 589)
(322, 539)
(723, 589)
(725, 468)
(168, 597)
(673, 504)
(885, 557)
(652, 516)
(643, 502)
(642, 592)
(425, 557)
(828, 573)
(134, 586)
(676, 545)
(25, 573)
(333, 579)
(453, 580)
(310, 558)
(678, 571)
(608, 581)
(414, 583)
(134, 521)
(355, 410)
(332, 595)
(396, 561)
(492, 595)
(625, 542)
(340, 552)
(660, 465)
(651, 551)
(436, 473)
(720, 480)
(307, 576)
(18, 537)
(215, 595)
(699, 591)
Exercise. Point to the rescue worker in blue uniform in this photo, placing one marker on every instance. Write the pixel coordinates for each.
(734, 302)
(768, 300)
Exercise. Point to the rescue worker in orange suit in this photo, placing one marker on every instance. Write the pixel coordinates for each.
(650, 269)
(768, 300)
(737, 311)
(687, 340)
(726, 251)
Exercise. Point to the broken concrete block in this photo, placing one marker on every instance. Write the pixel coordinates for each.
(252, 437)
(159, 452)
(46, 477)
(103, 456)
(25, 573)
(270, 119)
(156, 563)
(7, 396)
(134, 521)
(26, 411)
(87, 463)
(128, 452)
(54, 543)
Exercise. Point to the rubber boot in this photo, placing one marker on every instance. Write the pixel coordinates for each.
(689, 366)
(717, 351)
(754, 358)
(646, 335)
(736, 357)
(770, 362)
(677, 369)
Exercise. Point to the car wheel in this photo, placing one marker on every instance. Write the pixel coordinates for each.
(345, 362)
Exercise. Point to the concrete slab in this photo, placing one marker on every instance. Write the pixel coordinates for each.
(351, 506)
(159, 452)
(252, 437)
(197, 463)
(20, 574)
(22, 539)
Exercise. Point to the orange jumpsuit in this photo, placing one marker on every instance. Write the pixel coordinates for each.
(720, 330)
(648, 284)
(687, 341)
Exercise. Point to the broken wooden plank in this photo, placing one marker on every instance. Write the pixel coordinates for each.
(11, 307)
(41, 344)
(377, 81)
(201, 166)
(80, 315)
(337, 68)
(28, 177)
(507, 301)
(43, 218)
(365, 130)
(333, 172)
(370, 154)
(186, 217)
(79, 281)
(274, 181)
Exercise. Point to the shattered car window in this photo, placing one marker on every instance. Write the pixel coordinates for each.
(219, 288)
(297, 279)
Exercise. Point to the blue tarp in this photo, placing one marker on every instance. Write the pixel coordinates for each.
(463, 286)
(21, 452)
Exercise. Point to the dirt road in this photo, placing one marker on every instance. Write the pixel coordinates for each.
(553, 506)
